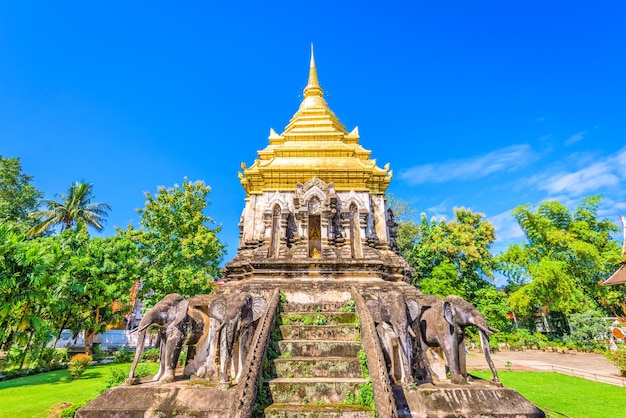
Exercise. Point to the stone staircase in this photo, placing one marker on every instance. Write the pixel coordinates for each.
(316, 372)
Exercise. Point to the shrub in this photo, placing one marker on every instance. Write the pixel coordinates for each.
(116, 378)
(119, 375)
(78, 365)
(122, 356)
(540, 340)
(618, 358)
(151, 354)
(70, 411)
(97, 352)
(589, 331)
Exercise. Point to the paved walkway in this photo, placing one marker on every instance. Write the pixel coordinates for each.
(587, 365)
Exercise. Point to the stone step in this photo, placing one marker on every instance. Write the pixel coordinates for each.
(316, 307)
(319, 318)
(317, 411)
(313, 390)
(319, 332)
(307, 367)
(319, 348)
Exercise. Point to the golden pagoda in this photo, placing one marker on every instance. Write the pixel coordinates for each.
(314, 144)
(315, 193)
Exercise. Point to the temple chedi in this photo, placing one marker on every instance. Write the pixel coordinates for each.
(316, 318)
(315, 193)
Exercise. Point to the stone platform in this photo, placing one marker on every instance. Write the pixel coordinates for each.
(181, 399)
(479, 399)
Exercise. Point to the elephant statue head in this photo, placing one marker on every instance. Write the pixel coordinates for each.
(394, 315)
(460, 314)
(235, 317)
(178, 326)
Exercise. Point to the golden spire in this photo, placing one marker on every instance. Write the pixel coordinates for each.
(313, 87)
(314, 144)
(313, 93)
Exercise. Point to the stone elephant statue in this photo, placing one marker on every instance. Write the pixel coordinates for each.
(443, 325)
(230, 334)
(394, 316)
(179, 326)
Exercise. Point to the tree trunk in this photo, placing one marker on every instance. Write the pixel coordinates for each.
(58, 336)
(30, 340)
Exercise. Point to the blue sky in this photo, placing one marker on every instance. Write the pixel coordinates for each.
(487, 105)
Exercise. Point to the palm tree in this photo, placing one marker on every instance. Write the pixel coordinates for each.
(73, 208)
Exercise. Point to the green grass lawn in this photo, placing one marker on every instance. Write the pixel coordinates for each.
(569, 395)
(33, 396)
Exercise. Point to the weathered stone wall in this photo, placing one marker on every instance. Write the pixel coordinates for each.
(248, 386)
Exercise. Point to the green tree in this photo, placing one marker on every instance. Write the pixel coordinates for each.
(18, 196)
(563, 257)
(181, 251)
(25, 287)
(93, 278)
(454, 258)
(48, 284)
(436, 247)
(73, 208)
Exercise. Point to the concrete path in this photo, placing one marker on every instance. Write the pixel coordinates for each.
(586, 365)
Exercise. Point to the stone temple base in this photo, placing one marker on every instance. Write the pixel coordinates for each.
(154, 400)
(479, 399)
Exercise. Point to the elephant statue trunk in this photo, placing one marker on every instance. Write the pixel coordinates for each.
(443, 325)
(141, 336)
(179, 325)
(484, 331)
(167, 314)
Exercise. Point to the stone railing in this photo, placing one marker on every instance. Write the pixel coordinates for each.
(248, 386)
(383, 393)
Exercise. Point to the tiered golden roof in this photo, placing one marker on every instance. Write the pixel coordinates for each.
(314, 144)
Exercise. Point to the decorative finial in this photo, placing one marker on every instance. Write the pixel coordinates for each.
(313, 87)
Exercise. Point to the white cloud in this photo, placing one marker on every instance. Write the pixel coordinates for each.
(575, 138)
(582, 181)
(594, 175)
(619, 161)
(505, 159)
(507, 228)
(438, 211)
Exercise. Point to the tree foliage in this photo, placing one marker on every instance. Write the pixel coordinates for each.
(181, 252)
(72, 281)
(454, 258)
(25, 283)
(94, 282)
(73, 208)
(18, 196)
(440, 250)
(564, 255)
(64, 281)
